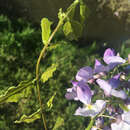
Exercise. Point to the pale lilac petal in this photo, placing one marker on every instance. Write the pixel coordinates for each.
(119, 126)
(114, 59)
(124, 124)
(84, 74)
(126, 117)
(105, 86)
(99, 105)
(84, 112)
(120, 94)
(109, 52)
(93, 111)
(84, 93)
(114, 81)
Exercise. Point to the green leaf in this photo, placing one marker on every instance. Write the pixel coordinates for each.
(46, 30)
(59, 122)
(14, 94)
(71, 10)
(50, 102)
(72, 30)
(31, 118)
(48, 73)
(83, 10)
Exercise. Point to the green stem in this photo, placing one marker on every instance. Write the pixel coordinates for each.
(38, 63)
(111, 117)
(90, 124)
(37, 74)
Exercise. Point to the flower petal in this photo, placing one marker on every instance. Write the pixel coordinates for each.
(93, 111)
(84, 74)
(98, 67)
(109, 52)
(120, 94)
(84, 112)
(99, 105)
(105, 86)
(114, 81)
(84, 93)
(126, 117)
(114, 59)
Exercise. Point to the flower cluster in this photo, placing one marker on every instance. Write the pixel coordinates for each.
(81, 91)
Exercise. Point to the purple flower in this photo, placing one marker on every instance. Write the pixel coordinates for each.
(109, 87)
(84, 93)
(110, 57)
(84, 74)
(91, 110)
(123, 123)
(80, 91)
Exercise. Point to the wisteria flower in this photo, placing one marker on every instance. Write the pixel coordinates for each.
(80, 91)
(122, 123)
(91, 109)
(110, 57)
(110, 86)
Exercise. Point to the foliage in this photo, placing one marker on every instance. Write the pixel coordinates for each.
(31, 118)
(59, 122)
(62, 52)
(48, 73)
(19, 48)
(46, 31)
(14, 94)
(17, 51)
